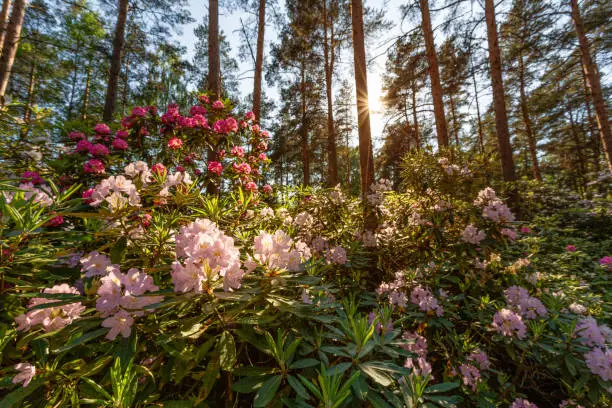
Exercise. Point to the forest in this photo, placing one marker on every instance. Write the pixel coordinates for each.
(306, 203)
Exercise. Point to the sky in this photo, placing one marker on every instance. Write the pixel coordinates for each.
(229, 22)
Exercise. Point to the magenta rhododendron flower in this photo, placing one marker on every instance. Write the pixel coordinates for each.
(31, 177)
(55, 221)
(102, 129)
(119, 144)
(26, 372)
(98, 150)
(159, 169)
(87, 195)
(83, 145)
(139, 111)
(243, 168)
(238, 151)
(570, 248)
(249, 115)
(606, 261)
(525, 230)
(215, 167)
(94, 166)
(76, 136)
(251, 186)
(267, 189)
(175, 143)
(122, 134)
(218, 105)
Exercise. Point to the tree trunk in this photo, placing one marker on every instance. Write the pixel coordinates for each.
(499, 103)
(27, 111)
(87, 87)
(261, 26)
(304, 129)
(592, 76)
(9, 46)
(75, 73)
(115, 66)
(214, 59)
(579, 144)
(6, 5)
(531, 139)
(454, 116)
(480, 132)
(415, 119)
(328, 50)
(434, 75)
(366, 157)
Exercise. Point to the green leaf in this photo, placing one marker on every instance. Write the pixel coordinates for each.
(304, 363)
(444, 401)
(117, 252)
(81, 340)
(13, 400)
(210, 377)
(360, 388)
(249, 384)
(442, 387)
(267, 391)
(338, 369)
(298, 387)
(96, 387)
(227, 351)
(379, 376)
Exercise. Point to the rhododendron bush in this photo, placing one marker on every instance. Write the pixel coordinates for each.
(150, 264)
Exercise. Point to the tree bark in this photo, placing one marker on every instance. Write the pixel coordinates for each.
(87, 90)
(579, 143)
(27, 111)
(594, 140)
(304, 129)
(9, 46)
(593, 81)
(454, 116)
(115, 66)
(75, 73)
(499, 103)
(328, 50)
(261, 26)
(366, 157)
(434, 75)
(126, 78)
(6, 5)
(214, 59)
(531, 138)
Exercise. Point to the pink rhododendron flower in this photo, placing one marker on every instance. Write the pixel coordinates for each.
(217, 104)
(470, 376)
(238, 151)
(525, 230)
(95, 264)
(262, 157)
(55, 221)
(94, 166)
(52, 318)
(215, 167)
(102, 129)
(415, 343)
(26, 372)
(87, 195)
(98, 150)
(267, 189)
(481, 359)
(600, 362)
(197, 110)
(606, 261)
(243, 168)
(251, 186)
(473, 235)
(509, 233)
(31, 177)
(159, 169)
(423, 298)
(249, 115)
(590, 333)
(523, 403)
(119, 144)
(122, 134)
(336, 255)
(139, 111)
(276, 251)
(76, 135)
(175, 143)
(529, 307)
(570, 248)
(203, 99)
(121, 322)
(509, 324)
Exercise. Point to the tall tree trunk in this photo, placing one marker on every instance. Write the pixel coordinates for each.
(480, 132)
(594, 140)
(592, 76)
(214, 59)
(261, 26)
(531, 138)
(366, 157)
(75, 73)
(304, 128)
(6, 5)
(87, 90)
(115, 66)
(27, 111)
(434, 75)
(415, 119)
(499, 103)
(9, 46)
(328, 50)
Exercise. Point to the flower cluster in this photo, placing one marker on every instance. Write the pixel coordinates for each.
(509, 324)
(492, 207)
(51, 317)
(394, 290)
(278, 252)
(377, 192)
(527, 306)
(417, 344)
(116, 191)
(425, 300)
(473, 235)
(336, 255)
